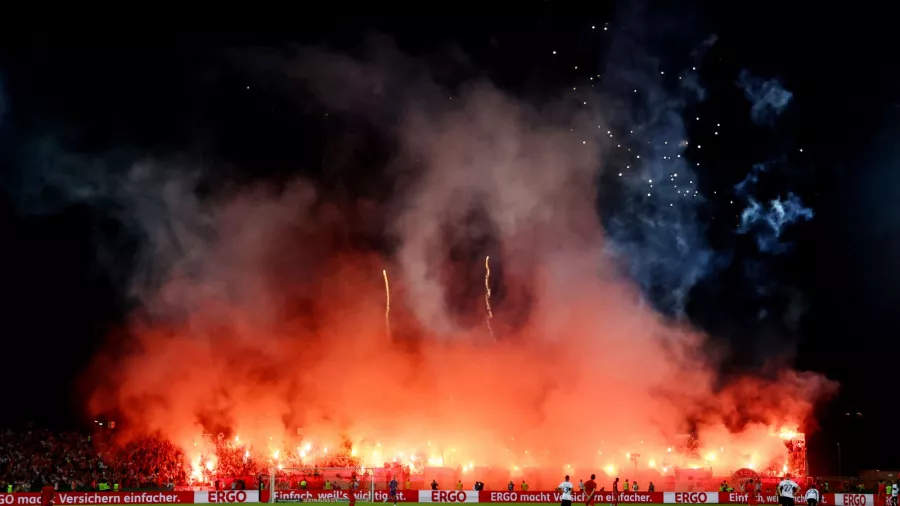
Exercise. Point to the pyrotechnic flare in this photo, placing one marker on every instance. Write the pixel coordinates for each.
(487, 295)
(387, 303)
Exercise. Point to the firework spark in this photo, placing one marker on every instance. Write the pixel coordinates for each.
(487, 295)
(387, 302)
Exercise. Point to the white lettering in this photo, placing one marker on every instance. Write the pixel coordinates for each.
(89, 498)
(854, 500)
(691, 497)
(227, 496)
(448, 496)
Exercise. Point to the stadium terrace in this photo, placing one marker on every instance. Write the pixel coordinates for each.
(78, 462)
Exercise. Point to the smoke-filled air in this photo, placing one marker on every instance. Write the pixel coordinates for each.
(496, 324)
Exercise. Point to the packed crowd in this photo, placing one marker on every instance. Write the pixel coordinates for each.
(75, 461)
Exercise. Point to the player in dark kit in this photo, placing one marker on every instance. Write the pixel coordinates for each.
(615, 494)
(392, 488)
(47, 493)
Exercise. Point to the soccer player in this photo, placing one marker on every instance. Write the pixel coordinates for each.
(589, 488)
(894, 493)
(812, 496)
(752, 495)
(351, 490)
(392, 491)
(787, 488)
(881, 498)
(47, 493)
(566, 488)
(615, 494)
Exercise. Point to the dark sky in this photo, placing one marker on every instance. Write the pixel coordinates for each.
(100, 89)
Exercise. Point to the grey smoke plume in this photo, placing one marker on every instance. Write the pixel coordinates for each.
(656, 230)
(690, 81)
(767, 96)
(153, 202)
(767, 220)
(2, 102)
(258, 306)
(160, 214)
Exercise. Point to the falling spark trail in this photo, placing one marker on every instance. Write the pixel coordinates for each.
(387, 303)
(487, 295)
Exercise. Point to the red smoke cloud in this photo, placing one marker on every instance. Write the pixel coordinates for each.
(265, 323)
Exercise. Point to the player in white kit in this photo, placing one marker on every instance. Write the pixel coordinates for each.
(787, 489)
(813, 497)
(566, 488)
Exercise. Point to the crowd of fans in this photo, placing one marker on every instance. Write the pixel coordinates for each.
(73, 461)
(76, 461)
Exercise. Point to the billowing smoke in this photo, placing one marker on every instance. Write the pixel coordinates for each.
(767, 96)
(2, 102)
(257, 319)
(767, 220)
(654, 223)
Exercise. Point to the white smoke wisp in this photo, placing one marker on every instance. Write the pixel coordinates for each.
(767, 221)
(768, 97)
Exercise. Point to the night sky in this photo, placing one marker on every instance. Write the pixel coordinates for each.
(825, 302)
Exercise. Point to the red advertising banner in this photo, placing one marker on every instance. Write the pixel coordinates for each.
(411, 496)
(337, 495)
(579, 497)
(102, 498)
(225, 496)
(666, 498)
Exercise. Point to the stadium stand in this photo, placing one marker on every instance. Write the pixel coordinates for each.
(85, 462)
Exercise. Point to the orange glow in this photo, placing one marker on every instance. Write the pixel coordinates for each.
(266, 316)
(787, 434)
